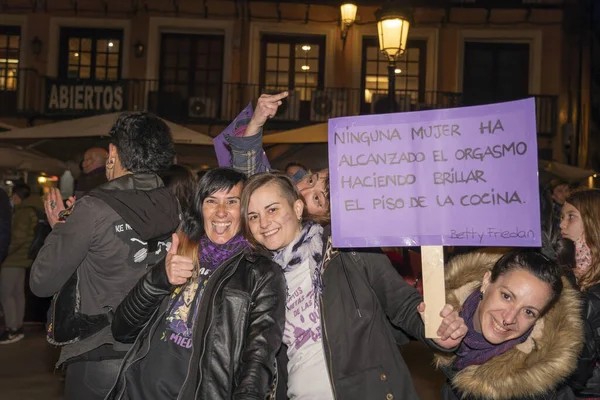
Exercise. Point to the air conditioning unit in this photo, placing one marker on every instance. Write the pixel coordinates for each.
(380, 103)
(202, 107)
(289, 110)
(327, 104)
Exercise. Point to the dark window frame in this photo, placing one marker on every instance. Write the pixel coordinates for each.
(88, 33)
(294, 40)
(495, 49)
(192, 66)
(11, 30)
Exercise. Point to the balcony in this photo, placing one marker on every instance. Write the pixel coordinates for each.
(488, 4)
(35, 96)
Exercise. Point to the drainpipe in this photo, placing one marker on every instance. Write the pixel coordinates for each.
(577, 137)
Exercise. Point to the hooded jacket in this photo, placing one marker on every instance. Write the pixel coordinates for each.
(532, 369)
(24, 221)
(112, 237)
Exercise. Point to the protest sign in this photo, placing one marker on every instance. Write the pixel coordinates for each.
(222, 148)
(463, 177)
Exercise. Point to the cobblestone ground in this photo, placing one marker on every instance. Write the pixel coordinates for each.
(27, 369)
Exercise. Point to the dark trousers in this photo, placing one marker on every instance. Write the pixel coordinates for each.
(90, 380)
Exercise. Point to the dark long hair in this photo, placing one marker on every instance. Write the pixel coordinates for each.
(181, 182)
(587, 202)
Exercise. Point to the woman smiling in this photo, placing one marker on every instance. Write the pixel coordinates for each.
(525, 329)
(337, 339)
(207, 320)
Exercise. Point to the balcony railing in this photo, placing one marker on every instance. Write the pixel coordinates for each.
(35, 96)
(515, 4)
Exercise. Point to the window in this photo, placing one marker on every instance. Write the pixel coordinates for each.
(192, 66)
(410, 74)
(292, 62)
(9, 57)
(91, 54)
(495, 72)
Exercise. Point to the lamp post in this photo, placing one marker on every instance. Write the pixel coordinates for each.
(393, 23)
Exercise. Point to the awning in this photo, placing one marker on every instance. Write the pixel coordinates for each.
(97, 126)
(569, 173)
(30, 160)
(308, 134)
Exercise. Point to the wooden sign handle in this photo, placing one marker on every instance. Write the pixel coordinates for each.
(434, 288)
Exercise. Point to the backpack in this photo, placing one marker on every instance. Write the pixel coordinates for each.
(42, 229)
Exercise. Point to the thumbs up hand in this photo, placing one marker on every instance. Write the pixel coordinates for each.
(179, 268)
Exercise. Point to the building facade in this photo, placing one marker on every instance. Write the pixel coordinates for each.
(199, 62)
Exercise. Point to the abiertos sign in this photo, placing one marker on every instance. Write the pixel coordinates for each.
(89, 97)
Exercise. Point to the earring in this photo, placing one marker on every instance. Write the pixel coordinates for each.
(480, 295)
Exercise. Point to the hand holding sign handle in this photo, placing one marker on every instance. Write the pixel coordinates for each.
(179, 268)
(434, 289)
(452, 329)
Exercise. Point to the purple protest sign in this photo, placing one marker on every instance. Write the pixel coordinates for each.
(222, 148)
(461, 177)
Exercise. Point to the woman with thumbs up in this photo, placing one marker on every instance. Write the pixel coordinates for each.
(207, 321)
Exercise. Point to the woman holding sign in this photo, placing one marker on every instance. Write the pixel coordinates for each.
(580, 217)
(525, 329)
(337, 341)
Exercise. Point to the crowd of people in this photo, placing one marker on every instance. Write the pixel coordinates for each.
(168, 285)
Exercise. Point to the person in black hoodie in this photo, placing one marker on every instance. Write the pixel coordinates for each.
(110, 239)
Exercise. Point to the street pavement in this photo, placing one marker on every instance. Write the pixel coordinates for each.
(27, 369)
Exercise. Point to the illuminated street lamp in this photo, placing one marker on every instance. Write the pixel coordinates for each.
(393, 23)
(348, 11)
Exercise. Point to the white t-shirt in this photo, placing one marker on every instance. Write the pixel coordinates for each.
(308, 378)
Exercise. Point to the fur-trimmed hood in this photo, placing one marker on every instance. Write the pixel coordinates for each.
(529, 369)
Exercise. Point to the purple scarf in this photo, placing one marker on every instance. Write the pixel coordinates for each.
(211, 255)
(474, 349)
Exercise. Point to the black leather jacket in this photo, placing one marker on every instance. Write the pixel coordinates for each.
(585, 382)
(242, 314)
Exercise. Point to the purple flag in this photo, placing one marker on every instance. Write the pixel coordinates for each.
(463, 177)
(222, 148)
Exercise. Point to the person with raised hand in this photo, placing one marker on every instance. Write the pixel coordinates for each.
(207, 321)
(247, 157)
(340, 302)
